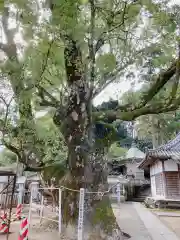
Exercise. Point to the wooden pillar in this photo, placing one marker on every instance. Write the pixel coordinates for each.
(21, 193)
(178, 178)
(164, 179)
(34, 190)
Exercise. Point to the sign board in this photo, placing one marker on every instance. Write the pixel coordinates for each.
(81, 214)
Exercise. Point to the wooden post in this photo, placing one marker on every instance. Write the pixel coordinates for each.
(42, 208)
(118, 193)
(20, 193)
(31, 200)
(34, 190)
(30, 209)
(164, 179)
(179, 178)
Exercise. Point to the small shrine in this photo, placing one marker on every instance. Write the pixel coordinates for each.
(128, 166)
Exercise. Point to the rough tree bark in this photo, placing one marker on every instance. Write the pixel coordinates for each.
(86, 168)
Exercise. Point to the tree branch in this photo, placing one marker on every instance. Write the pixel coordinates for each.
(7, 109)
(91, 41)
(152, 109)
(177, 77)
(3, 122)
(42, 93)
(18, 152)
(3, 47)
(157, 108)
(143, 108)
(110, 22)
(45, 63)
(111, 77)
(10, 47)
(33, 169)
(157, 85)
(12, 148)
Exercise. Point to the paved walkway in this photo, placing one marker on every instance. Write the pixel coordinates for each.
(167, 214)
(140, 223)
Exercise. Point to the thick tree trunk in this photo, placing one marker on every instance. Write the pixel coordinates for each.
(99, 220)
(86, 169)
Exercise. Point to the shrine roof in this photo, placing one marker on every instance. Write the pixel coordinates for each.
(170, 150)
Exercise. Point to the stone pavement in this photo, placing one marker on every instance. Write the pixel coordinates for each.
(154, 226)
(167, 213)
(140, 223)
(130, 222)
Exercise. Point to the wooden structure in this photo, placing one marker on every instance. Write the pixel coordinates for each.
(164, 165)
(128, 166)
(18, 196)
(136, 179)
(112, 181)
(133, 157)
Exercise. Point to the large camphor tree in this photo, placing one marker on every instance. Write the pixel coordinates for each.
(60, 55)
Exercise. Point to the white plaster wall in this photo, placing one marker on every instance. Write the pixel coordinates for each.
(133, 167)
(170, 165)
(3, 179)
(156, 168)
(139, 175)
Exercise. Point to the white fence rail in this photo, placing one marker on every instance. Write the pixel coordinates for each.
(5, 199)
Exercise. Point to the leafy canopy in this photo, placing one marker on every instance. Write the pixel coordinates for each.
(114, 37)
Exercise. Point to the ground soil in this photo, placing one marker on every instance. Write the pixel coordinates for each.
(46, 230)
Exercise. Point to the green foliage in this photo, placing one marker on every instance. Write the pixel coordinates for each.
(116, 151)
(42, 63)
(160, 128)
(105, 134)
(106, 63)
(50, 140)
(130, 97)
(56, 170)
(7, 157)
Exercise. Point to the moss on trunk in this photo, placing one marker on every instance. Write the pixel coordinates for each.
(99, 219)
(104, 216)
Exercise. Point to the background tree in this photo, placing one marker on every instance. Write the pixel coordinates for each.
(116, 151)
(159, 128)
(7, 158)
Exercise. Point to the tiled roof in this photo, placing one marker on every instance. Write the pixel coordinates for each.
(172, 144)
(170, 150)
(134, 153)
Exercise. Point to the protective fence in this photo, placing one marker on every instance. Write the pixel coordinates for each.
(41, 208)
(45, 209)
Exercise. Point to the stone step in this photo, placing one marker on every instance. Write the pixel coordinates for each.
(138, 199)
